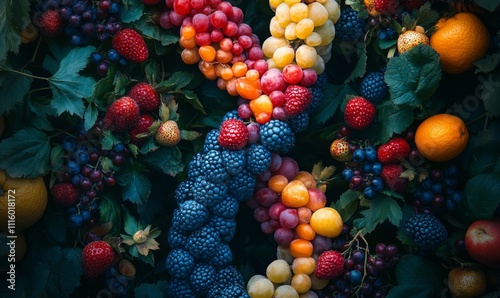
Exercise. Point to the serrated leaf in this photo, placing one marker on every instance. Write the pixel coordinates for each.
(327, 172)
(386, 44)
(150, 146)
(176, 81)
(381, 209)
(103, 86)
(109, 140)
(490, 94)
(360, 68)
(120, 82)
(56, 157)
(90, 116)
(316, 170)
(165, 159)
(413, 76)
(148, 28)
(480, 197)
(15, 16)
(136, 187)
(68, 87)
(193, 100)
(189, 135)
(164, 112)
(391, 120)
(13, 88)
(26, 153)
(132, 10)
(407, 212)
(130, 223)
(426, 17)
(110, 211)
(490, 5)
(333, 95)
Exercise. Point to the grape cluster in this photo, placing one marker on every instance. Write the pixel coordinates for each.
(363, 174)
(104, 61)
(85, 20)
(439, 192)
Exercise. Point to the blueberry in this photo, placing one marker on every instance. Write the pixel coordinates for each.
(382, 35)
(377, 183)
(73, 168)
(341, 284)
(347, 174)
(118, 148)
(82, 158)
(115, 8)
(451, 171)
(427, 184)
(376, 168)
(450, 205)
(369, 193)
(76, 179)
(358, 257)
(68, 144)
(450, 182)
(391, 33)
(75, 220)
(113, 55)
(437, 188)
(85, 200)
(71, 210)
(123, 62)
(356, 277)
(85, 215)
(426, 197)
(367, 167)
(359, 155)
(457, 197)
(76, 40)
(371, 154)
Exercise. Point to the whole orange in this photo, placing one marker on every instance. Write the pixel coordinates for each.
(22, 198)
(460, 40)
(441, 137)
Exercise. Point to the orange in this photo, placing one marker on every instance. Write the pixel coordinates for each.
(300, 248)
(460, 40)
(441, 137)
(27, 198)
(277, 183)
(306, 178)
(326, 222)
(295, 194)
(305, 231)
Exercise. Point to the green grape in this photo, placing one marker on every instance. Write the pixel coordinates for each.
(313, 40)
(272, 43)
(285, 291)
(274, 4)
(327, 32)
(304, 28)
(283, 15)
(291, 2)
(278, 271)
(275, 29)
(283, 56)
(298, 12)
(301, 283)
(319, 65)
(333, 9)
(317, 13)
(305, 56)
(290, 31)
(308, 294)
(261, 288)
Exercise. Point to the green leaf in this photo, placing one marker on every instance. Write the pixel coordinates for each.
(90, 116)
(103, 86)
(132, 10)
(386, 44)
(109, 140)
(382, 208)
(193, 100)
(13, 88)
(426, 17)
(130, 224)
(110, 212)
(417, 277)
(15, 17)
(56, 157)
(360, 68)
(490, 94)
(490, 5)
(148, 28)
(347, 204)
(407, 212)
(166, 159)
(189, 135)
(333, 95)
(68, 87)
(176, 81)
(136, 187)
(480, 197)
(414, 76)
(391, 120)
(148, 291)
(26, 153)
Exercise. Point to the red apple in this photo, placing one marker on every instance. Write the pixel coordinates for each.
(482, 242)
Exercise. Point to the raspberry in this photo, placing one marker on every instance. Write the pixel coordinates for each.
(349, 27)
(213, 165)
(180, 263)
(227, 208)
(391, 174)
(233, 134)
(276, 135)
(297, 99)
(222, 258)
(233, 160)
(359, 113)
(65, 194)
(190, 216)
(258, 159)
(395, 150)
(211, 142)
(426, 231)
(387, 6)
(180, 288)
(226, 227)
(202, 278)
(184, 192)
(241, 186)
(373, 87)
(330, 264)
(203, 243)
(208, 193)
(299, 123)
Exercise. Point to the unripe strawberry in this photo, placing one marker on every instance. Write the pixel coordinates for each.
(168, 134)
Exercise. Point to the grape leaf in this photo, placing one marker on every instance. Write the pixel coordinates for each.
(68, 87)
(381, 209)
(490, 94)
(13, 88)
(132, 10)
(480, 197)
(15, 17)
(26, 153)
(166, 159)
(417, 277)
(414, 76)
(148, 28)
(490, 5)
(136, 187)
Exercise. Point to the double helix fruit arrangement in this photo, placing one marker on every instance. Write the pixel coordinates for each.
(281, 148)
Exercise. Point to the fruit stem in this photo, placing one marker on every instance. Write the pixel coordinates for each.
(26, 74)
(34, 54)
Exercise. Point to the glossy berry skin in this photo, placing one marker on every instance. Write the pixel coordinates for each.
(395, 150)
(330, 264)
(142, 126)
(297, 99)
(340, 150)
(146, 97)
(168, 134)
(65, 194)
(122, 114)
(130, 45)
(233, 134)
(97, 257)
(359, 113)
(391, 175)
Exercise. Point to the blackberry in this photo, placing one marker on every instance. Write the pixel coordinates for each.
(222, 258)
(227, 208)
(234, 291)
(231, 115)
(208, 193)
(426, 231)
(299, 123)
(190, 216)
(184, 192)
(316, 91)
(229, 276)
(349, 27)
(258, 159)
(176, 239)
(233, 160)
(276, 135)
(373, 87)
(241, 186)
(213, 166)
(180, 288)
(211, 142)
(203, 243)
(195, 167)
(180, 263)
(226, 227)
(202, 278)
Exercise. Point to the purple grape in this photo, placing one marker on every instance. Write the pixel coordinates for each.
(91, 194)
(118, 160)
(380, 249)
(110, 181)
(356, 183)
(391, 250)
(79, 7)
(65, 13)
(95, 176)
(438, 201)
(105, 5)
(85, 184)
(253, 132)
(358, 256)
(75, 20)
(379, 264)
(102, 68)
(87, 16)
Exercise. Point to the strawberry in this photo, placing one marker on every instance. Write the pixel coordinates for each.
(97, 257)
(142, 126)
(130, 45)
(122, 114)
(65, 194)
(49, 23)
(359, 113)
(330, 264)
(146, 97)
(391, 174)
(297, 99)
(410, 5)
(340, 150)
(233, 134)
(168, 134)
(387, 6)
(396, 149)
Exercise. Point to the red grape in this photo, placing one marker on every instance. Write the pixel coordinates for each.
(289, 218)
